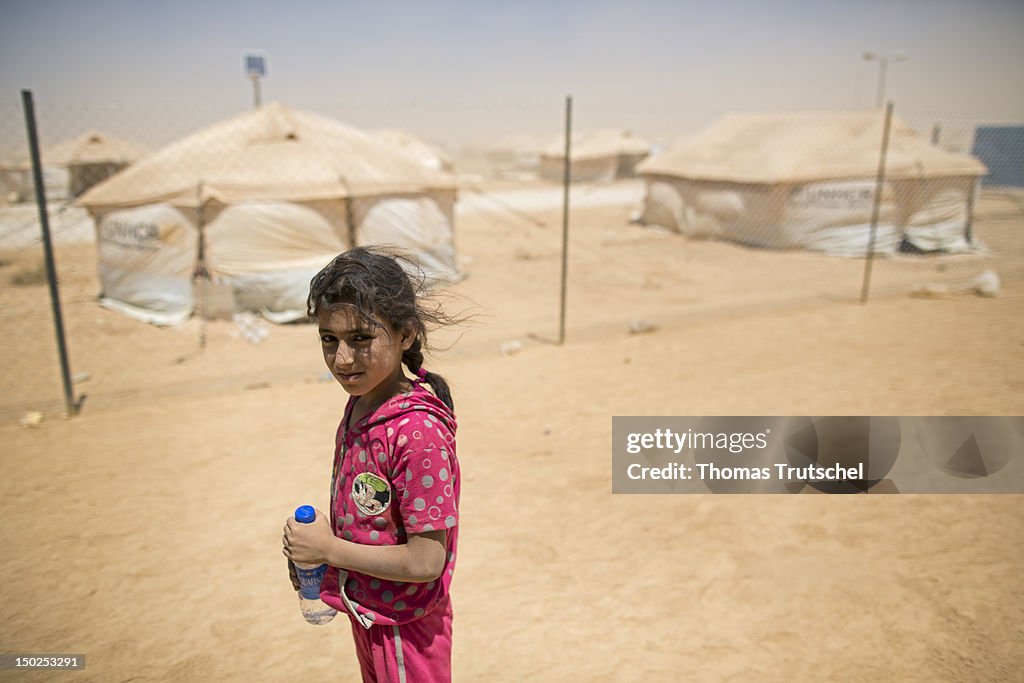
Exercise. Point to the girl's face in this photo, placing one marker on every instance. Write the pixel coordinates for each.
(366, 360)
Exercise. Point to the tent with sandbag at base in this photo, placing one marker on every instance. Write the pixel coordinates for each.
(807, 180)
(261, 202)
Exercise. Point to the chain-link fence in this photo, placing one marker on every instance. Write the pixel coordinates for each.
(258, 198)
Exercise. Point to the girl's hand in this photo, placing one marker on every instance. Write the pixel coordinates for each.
(307, 542)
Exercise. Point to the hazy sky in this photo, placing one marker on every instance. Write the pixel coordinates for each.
(658, 67)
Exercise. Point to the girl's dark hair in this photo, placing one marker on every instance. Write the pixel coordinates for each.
(375, 282)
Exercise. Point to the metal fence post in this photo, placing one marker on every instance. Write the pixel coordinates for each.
(879, 185)
(51, 267)
(567, 180)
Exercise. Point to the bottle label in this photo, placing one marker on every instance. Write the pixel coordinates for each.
(309, 581)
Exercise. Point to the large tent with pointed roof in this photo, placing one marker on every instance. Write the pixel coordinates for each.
(261, 202)
(91, 158)
(598, 155)
(72, 166)
(513, 158)
(807, 180)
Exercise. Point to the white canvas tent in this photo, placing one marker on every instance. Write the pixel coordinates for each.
(264, 200)
(72, 166)
(513, 158)
(81, 162)
(16, 182)
(597, 155)
(17, 186)
(91, 158)
(807, 180)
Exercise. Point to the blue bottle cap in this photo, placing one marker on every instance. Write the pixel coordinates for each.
(305, 514)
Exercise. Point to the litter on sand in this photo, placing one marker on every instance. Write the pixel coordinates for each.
(251, 327)
(986, 284)
(31, 420)
(642, 326)
(510, 347)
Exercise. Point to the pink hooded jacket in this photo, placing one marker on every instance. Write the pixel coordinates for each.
(395, 474)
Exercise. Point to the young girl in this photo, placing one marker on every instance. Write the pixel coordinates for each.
(390, 538)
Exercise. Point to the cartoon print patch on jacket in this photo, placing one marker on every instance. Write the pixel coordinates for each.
(371, 494)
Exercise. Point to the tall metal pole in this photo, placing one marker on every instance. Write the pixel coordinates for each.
(883, 68)
(883, 63)
(202, 275)
(255, 91)
(566, 180)
(879, 184)
(51, 266)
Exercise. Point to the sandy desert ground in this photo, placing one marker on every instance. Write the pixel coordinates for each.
(145, 532)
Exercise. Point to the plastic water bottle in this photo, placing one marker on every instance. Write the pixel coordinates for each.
(315, 610)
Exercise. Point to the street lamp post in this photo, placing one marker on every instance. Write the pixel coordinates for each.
(883, 65)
